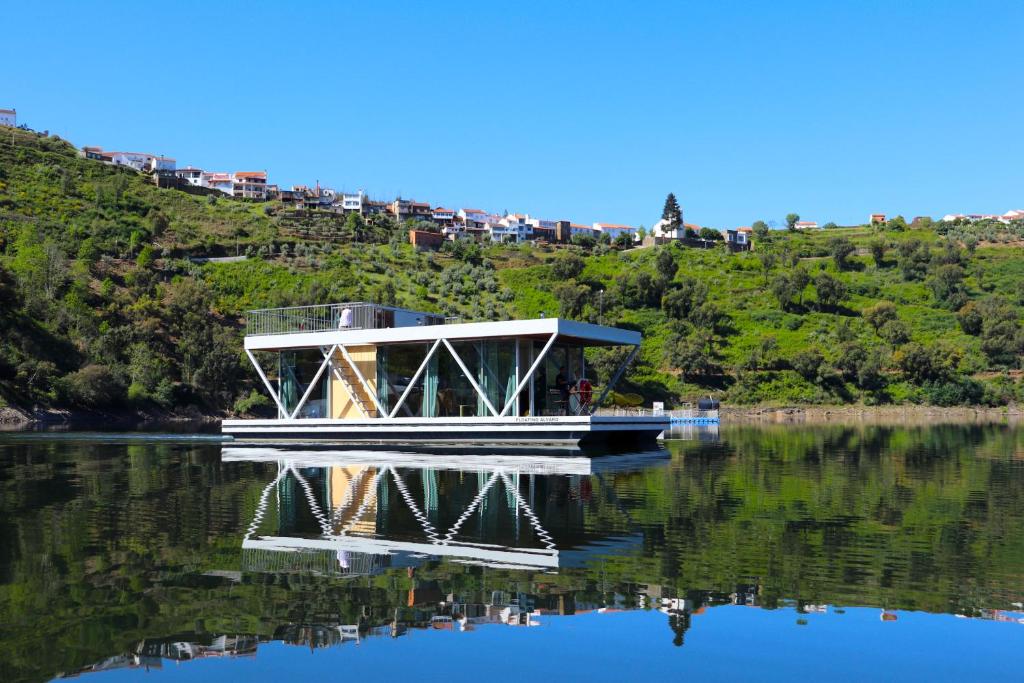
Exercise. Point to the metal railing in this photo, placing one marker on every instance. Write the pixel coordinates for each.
(682, 415)
(327, 317)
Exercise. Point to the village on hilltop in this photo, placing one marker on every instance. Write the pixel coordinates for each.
(430, 226)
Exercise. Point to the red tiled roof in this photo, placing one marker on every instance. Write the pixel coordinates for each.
(7, 111)
(691, 226)
(613, 226)
(251, 174)
(441, 209)
(474, 211)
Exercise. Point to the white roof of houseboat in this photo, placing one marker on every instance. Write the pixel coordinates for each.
(540, 328)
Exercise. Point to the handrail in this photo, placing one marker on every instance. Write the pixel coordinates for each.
(356, 315)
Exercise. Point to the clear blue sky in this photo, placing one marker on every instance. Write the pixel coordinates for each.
(589, 111)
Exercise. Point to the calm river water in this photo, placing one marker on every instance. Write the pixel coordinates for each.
(745, 554)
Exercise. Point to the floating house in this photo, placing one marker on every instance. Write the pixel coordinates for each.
(365, 373)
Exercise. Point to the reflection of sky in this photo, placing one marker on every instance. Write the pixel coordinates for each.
(724, 643)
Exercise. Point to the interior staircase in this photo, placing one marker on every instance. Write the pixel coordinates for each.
(355, 389)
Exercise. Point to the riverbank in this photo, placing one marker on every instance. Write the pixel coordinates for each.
(853, 414)
(14, 419)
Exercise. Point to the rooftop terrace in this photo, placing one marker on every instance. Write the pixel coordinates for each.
(357, 315)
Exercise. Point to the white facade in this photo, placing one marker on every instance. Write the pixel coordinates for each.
(661, 230)
(219, 181)
(353, 202)
(137, 160)
(191, 175)
(8, 117)
(473, 216)
(511, 228)
(161, 164)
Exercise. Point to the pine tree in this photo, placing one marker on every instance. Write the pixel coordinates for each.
(672, 214)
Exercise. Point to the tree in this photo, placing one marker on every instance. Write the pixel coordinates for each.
(831, 291)
(829, 226)
(764, 356)
(880, 314)
(666, 265)
(808, 364)
(672, 214)
(688, 295)
(799, 278)
(948, 286)
(760, 229)
(568, 267)
(926, 364)
(783, 290)
(791, 220)
(895, 332)
(710, 234)
(571, 298)
(914, 259)
(877, 247)
(691, 354)
(995, 321)
(767, 259)
(841, 248)
(897, 224)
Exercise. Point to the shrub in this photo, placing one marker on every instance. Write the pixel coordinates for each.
(94, 386)
(953, 392)
(880, 314)
(246, 404)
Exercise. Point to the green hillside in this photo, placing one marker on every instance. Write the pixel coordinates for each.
(100, 306)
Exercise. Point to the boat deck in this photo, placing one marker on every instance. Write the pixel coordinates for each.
(571, 430)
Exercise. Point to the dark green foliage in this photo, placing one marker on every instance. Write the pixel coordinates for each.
(880, 314)
(94, 386)
(996, 321)
(783, 290)
(878, 247)
(760, 229)
(94, 274)
(922, 364)
(691, 354)
(830, 291)
(710, 234)
(568, 267)
(914, 259)
(947, 284)
(671, 213)
(666, 265)
(571, 298)
(791, 220)
(808, 363)
(684, 298)
(840, 248)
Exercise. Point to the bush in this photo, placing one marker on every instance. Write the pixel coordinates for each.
(568, 267)
(880, 314)
(808, 363)
(246, 404)
(953, 392)
(94, 386)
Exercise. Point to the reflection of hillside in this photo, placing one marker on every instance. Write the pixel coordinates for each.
(127, 541)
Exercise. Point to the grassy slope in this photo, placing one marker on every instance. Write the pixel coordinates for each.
(108, 300)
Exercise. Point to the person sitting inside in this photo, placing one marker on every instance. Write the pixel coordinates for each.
(564, 387)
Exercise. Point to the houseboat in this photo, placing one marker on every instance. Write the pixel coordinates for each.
(363, 373)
